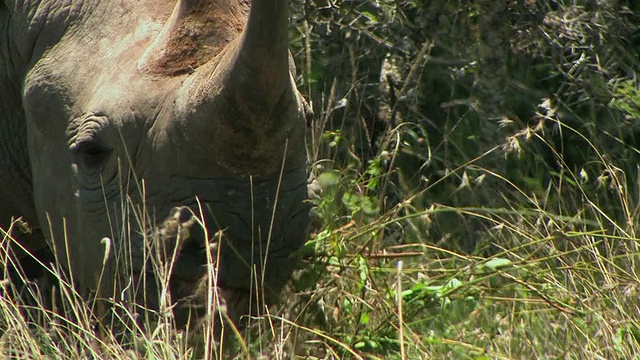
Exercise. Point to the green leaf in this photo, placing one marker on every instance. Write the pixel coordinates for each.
(452, 285)
(496, 263)
(328, 178)
(370, 16)
(364, 318)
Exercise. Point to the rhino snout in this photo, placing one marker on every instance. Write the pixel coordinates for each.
(245, 232)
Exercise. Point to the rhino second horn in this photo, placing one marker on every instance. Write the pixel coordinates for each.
(196, 32)
(157, 48)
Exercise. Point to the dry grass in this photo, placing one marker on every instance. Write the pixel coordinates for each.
(543, 283)
(463, 228)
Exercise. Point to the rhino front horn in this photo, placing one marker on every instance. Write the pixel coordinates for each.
(246, 97)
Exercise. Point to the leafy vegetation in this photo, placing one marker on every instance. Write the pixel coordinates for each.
(476, 191)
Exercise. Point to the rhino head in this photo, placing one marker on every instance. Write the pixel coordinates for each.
(144, 114)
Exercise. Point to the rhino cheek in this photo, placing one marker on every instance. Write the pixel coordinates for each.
(86, 247)
(52, 191)
(263, 223)
(78, 221)
(258, 220)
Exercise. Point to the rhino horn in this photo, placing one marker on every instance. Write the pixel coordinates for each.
(196, 31)
(261, 67)
(200, 30)
(159, 47)
(245, 94)
(252, 72)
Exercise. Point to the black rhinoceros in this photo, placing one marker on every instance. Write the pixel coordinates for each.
(117, 115)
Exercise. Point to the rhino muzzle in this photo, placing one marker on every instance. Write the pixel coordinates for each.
(240, 237)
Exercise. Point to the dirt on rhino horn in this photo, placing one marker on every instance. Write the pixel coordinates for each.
(196, 32)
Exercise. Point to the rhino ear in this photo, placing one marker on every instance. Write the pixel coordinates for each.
(196, 31)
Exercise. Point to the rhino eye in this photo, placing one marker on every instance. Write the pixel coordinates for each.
(90, 155)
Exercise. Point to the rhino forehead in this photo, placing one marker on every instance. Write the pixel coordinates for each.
(211, 116)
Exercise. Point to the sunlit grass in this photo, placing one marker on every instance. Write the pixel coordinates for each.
(467, 234)
(544, 285)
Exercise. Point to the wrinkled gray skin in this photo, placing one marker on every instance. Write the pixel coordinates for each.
(109, 105)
